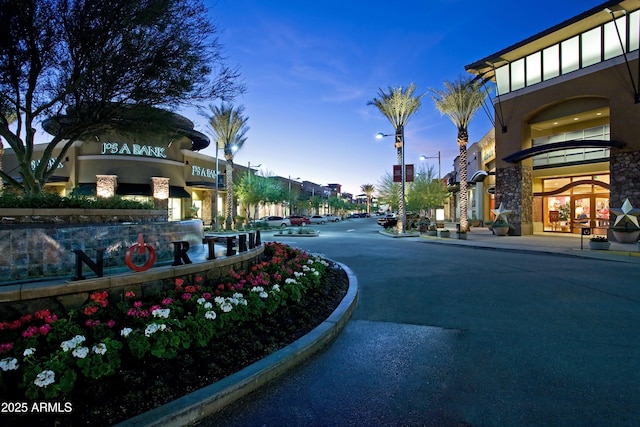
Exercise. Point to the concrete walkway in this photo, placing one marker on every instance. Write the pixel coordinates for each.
(561, 243)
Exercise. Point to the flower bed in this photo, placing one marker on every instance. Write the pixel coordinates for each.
(58, 356)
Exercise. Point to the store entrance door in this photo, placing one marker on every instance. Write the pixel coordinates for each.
(590, 211)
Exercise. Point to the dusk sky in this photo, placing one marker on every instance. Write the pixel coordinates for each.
(311, 66)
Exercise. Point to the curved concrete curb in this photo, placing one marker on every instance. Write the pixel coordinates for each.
(197, 405)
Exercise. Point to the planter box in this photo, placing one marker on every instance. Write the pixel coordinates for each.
(461, 236)
(432, 233)
(445, 233)
(626, 236)
(599, 246)
(500, 231)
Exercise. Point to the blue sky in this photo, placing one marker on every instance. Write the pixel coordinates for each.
(311, 66)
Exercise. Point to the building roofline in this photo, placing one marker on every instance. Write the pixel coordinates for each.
(482, 63)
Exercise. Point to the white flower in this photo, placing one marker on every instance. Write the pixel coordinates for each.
(263, 294)
(99, 348)
(226, 307)
(80, 352)
(45, 378)
(151, 329)
(290, 281)
(276, 288)
(161, 312)
(218, 300)
(207, 305)
(315, 273)
(9, 364)
(125, 332)
(201, 300)
(238, 296)
(257, 289)
(29, 352)
(72, 343)
(211, 315)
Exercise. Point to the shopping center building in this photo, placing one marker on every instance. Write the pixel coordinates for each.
(567, 121)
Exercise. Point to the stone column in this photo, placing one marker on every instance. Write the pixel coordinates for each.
(514, 188)
(625, 178)
(106, 185)
(160, 192)
(207, 208)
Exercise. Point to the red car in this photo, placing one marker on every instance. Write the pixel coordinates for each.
(298, 220)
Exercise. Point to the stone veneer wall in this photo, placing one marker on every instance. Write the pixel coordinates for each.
(29, 251)
(625, 179)
(62, 296)
(514, 188)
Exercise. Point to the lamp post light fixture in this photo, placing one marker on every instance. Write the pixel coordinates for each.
(423, 157)
(399, 145)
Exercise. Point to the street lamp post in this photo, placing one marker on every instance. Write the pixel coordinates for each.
(433, 157)
(249, 185)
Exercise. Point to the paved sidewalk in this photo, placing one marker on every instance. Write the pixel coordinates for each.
(568, 244)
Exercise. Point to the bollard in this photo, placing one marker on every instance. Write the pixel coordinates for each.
(242, 243)
(230, 250)
(252, 240)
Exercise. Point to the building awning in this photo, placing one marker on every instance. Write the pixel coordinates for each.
(479, 176)
(557, 146)
(123, 189)
(201, 184)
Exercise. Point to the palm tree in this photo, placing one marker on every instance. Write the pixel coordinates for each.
(398, 105)
(460, 100)
(229, 127)
(368, 190)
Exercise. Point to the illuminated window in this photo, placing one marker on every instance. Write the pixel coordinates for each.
(517, 74)
(551, 61)
(591, 47)
(570, 54)
(534, 68)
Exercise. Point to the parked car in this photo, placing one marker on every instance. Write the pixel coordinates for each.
(275, 221)
(332, 218)
(317, 219)
(298, 220)
(388, 221)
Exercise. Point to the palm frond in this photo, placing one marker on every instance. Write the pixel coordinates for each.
(398, 104)
(459, 100)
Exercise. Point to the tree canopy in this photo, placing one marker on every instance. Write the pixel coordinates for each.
(78, 64)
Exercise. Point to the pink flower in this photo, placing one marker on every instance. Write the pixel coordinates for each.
(30, 332)
(110, 323)
(167, 301)
(206, 295)
(45, 329)
(51, 319)
(154, 307)
(137, 304)
(186, 296)
(4, 347)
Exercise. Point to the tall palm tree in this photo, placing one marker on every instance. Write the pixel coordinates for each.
(368, 190)
(460, 100)
(229, 127)
(398, 105)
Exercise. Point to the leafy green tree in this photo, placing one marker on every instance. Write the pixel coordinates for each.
(229, 127)
(398, 105)
(426, 192)
(260, 190)
(388, 192)
(77, 66)
(459, 101)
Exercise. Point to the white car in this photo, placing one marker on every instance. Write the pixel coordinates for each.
(317, 219)
(332, 218)
(275, 221)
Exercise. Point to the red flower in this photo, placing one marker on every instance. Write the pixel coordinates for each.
(129, 294)
(42, 314)
(44, 329)
(190, 289)
(179, 282)
(90, 310)
(199, 279)
(30, 332)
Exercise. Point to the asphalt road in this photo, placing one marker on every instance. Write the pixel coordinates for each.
(445, 335)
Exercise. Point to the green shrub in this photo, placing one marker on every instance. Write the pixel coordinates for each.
(54, 201)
